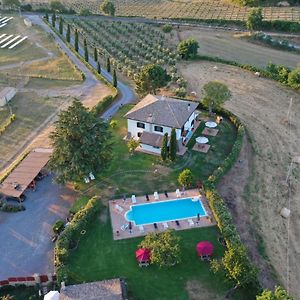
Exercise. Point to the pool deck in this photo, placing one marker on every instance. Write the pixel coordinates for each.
(119, 207)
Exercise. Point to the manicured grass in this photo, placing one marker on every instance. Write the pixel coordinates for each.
(143, 173)
(98, 257)
(78, 204)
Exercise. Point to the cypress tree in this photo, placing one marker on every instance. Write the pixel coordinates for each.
(164, 147)
(53, 19)
(108, 64)
(47, 17)
(76, 40)
(115, 80)
(173, 145)
(98, 68)
(61, 25)
(68, 35)
(86, 53)
(95, 54)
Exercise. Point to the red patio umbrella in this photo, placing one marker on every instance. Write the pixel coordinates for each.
(205, 248)
(142, 255)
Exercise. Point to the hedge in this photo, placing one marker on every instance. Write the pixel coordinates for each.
(6, 123)
(81, 221)
(99, 108)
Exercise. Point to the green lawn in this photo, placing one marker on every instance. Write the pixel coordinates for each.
(98, 257)
(134, 174)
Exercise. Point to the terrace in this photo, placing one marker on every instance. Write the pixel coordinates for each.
(119, 207)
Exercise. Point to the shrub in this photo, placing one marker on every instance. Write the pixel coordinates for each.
(58, 226)
(6, 123)
(103, 105)
(185, 178)
(188, 48)
(167, 28)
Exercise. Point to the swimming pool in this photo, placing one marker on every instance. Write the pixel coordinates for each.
(164, 211)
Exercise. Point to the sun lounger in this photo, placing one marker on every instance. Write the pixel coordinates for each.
(165, 224)
(2, 35)
(178, 194)
(155, 226)
(133, 199)
(177, 223)
(191, 222)
(156, 196)
(141, 229)
(166, 194)
(119, 208)
(3, 24)
(3, 19)
(124, 227)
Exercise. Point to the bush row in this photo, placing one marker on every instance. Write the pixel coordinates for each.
(11, 207)
(6, 123)
(71, 235)
(99, 108)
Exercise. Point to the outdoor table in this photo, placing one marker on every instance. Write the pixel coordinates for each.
(202, 140)
(210, 124)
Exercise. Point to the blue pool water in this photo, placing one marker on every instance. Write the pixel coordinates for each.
(164, 211)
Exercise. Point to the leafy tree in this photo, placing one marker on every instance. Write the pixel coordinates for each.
(173, 145)
(108, 8)
(164, 148)
(47, 17)
(115, 80)
(85, 12)
(53, 19)
(61, 25)
(68, 34)
(188, 48)
(95, 54)
(58, 7)
(76, 40)
(236, 266)
(279, 72)
(11, 3)
(150, 78)
(164, 247)
(294, 78)
(185, 178)
(108, 64)
(278, 294)
(86, 52)
(81, 144)
(255, 19)
(132, 145)
(215, 94)
(167, 28)
(113, 123)
(98, 68)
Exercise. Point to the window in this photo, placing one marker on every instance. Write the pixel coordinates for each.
(140, 125)
(158, 129)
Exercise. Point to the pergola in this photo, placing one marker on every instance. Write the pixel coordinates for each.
(21, 177)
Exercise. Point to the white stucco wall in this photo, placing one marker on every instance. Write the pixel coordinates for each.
(134, 130)
(150, 148)
(188, 124)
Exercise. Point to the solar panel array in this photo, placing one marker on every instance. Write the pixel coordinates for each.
(4, 21)
(10, 41)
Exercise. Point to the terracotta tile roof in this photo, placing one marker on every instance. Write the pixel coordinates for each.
(99, 290)
(162, 111)
(151, 139)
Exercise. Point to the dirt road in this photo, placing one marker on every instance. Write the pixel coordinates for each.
(263, 104)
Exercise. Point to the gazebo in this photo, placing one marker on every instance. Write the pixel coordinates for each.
(205, 250)
(52, 295)
(143, 256)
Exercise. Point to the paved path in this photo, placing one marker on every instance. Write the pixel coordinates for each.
(26, 246)
(126, 93)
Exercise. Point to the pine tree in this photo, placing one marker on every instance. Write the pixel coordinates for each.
(115, 80)
(53, 19)
(86, 53)
(68, 35)
(164, 147)
(61, 25)
(76, 40)
(98, 68)
(108, 64)
(95, 54)
(47, 17)
(173, 145)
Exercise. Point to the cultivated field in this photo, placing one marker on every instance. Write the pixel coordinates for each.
(263, 105)
(225, 45)
(202, 9)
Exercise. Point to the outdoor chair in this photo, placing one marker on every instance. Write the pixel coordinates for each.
(133, 199)
(156, 196)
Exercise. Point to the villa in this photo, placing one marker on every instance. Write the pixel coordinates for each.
(155, 115)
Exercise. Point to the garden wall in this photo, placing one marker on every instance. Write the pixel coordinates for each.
(28, 280)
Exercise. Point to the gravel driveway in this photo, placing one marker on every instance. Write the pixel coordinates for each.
(25, 244)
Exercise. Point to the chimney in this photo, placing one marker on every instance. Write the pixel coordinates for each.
(189, 107)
